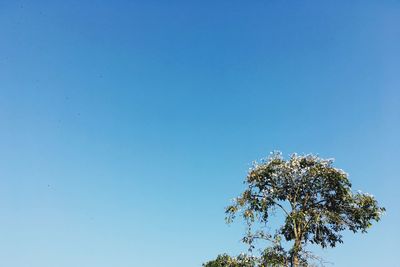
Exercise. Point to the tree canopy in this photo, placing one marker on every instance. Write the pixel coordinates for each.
(314, 199)
(227, 261)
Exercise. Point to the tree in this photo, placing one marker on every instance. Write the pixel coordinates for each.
(226, 261)
(315, 202)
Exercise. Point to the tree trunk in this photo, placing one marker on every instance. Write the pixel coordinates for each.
(295, 261)
(295, 255)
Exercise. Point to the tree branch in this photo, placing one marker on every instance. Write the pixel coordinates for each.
(276, 203)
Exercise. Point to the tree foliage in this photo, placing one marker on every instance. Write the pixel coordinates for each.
(225, 260)
(315, 200)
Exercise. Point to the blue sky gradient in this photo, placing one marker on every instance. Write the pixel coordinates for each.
(127, 126)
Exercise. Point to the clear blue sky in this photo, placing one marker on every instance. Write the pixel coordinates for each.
(127, 127)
